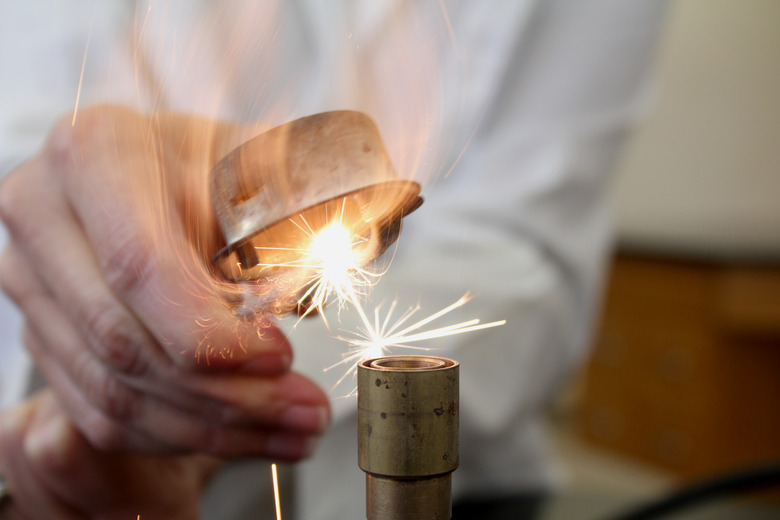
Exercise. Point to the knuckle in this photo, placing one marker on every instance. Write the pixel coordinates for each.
(61, 143)
(126, 261)
(18, 283)
(216, 441)
(107, 393)
(226, 413)
(109, 336)
(14, 203)
(16, 290)
(104, 435)
(116, 400)
(67, 144)
(58, 457)
(70, 139)
(8, 199)
(8, 281)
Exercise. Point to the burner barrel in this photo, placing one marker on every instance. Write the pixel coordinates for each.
(408, 435)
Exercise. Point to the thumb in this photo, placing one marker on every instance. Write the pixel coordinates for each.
(109, 485)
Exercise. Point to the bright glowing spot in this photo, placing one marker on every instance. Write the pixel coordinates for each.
(332, 249)
(331, 260)
(327, 266)
(336, 269)
(277, 502)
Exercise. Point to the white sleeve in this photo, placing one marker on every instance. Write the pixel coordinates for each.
(521, 223)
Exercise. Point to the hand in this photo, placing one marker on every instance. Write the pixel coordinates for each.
(53, 472)
(111, 230)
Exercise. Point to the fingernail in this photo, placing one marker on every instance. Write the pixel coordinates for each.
(310, 419)
(45, 442)
(14, 421)
(290, 447)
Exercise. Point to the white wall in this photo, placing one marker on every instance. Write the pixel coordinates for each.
(702, 172)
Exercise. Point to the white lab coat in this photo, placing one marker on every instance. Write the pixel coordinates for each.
(509, 113)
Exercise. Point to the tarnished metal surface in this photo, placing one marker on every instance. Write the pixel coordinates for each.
(311, 169)
(408, 435)
(419, 498)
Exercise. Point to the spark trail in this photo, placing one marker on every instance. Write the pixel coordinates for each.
(375, 339)
(336, 276)
(277, 501)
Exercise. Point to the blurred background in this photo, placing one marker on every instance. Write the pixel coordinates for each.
(684, 380)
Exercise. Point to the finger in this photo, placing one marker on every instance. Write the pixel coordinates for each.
(48, 254)
(142, 244)
(231, 422)
(61, 345)
(31, 498)
(137, 258)
(116, 417)
(103, 431)
(66, 286)
(108, 485)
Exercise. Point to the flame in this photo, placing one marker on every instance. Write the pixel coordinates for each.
(336, 269)
(326, 269)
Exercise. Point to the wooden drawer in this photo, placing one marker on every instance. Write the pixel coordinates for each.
(650, 431)
(670, 382)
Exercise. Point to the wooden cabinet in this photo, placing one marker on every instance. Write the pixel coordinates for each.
(685, 373)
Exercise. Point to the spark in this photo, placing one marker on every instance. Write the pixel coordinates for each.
(277, 502)
(83, 66)
(375, 339)
(333, 259)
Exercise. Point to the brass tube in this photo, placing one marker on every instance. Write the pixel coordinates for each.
(278, 190)
(408, 436)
